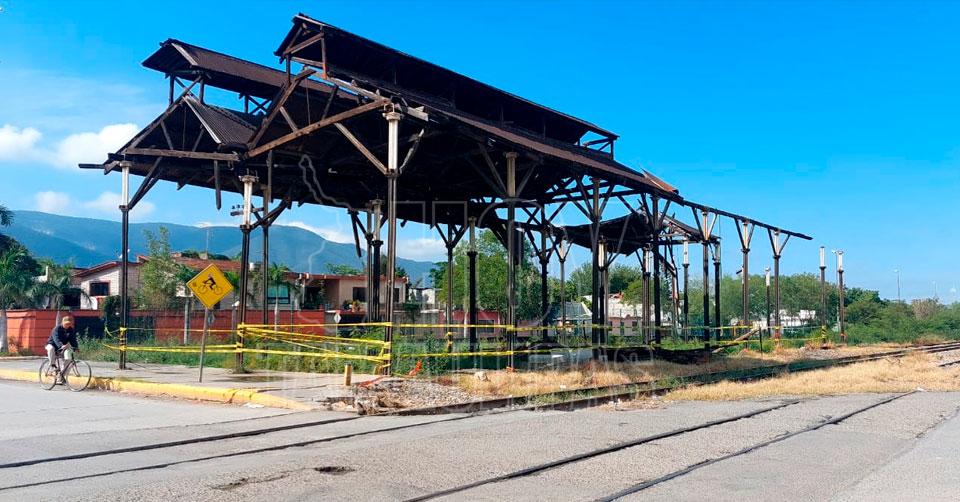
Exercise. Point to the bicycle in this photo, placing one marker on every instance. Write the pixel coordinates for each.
(75, 373)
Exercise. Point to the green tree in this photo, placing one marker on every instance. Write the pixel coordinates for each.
(342, 269)
(492, 278)
(161, 277)
(57, 285)
(16, 279)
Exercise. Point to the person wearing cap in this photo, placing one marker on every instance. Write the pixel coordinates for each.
(61, 336)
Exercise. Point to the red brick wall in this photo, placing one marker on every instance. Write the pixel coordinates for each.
(28, 330)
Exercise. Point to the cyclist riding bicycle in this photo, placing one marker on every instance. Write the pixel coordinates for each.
(62, 336)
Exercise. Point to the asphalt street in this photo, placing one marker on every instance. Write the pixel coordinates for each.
(903, 450)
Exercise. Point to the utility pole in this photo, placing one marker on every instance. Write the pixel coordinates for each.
(768, 310)
(842, 310)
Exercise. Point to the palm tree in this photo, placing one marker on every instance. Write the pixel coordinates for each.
(6, 216)
(277, 275)
(15, 282)
(57, 285)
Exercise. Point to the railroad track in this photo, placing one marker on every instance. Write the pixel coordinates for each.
(530, 471)
(525, 404)
(568, 400)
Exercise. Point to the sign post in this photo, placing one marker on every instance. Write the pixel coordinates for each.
(210, 286)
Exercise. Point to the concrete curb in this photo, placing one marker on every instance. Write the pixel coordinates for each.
(215, 394)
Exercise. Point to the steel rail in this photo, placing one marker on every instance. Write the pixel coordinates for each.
(675, 474)
(591, 396)
(595, 453)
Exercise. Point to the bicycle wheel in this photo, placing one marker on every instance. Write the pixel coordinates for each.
(78, 376)
(47, 375)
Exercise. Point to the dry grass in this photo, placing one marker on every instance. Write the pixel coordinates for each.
(503, 383)
(888, 375)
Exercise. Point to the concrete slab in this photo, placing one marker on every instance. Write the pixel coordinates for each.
(281, 389)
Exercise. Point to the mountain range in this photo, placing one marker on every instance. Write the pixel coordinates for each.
(86, 242)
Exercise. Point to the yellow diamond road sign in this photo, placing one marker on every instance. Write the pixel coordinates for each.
(210, 286)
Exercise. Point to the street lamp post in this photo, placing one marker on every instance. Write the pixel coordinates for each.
(768, 309)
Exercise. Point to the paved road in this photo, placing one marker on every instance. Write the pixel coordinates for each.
(900, 451)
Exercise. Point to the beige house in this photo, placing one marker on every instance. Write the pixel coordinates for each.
(103, 280)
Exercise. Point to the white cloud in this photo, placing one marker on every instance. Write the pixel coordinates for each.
(23, 145)
(330, 234)
(423, 248)
(106, 204)
(53, 202)
(92, 147)
(18, 144)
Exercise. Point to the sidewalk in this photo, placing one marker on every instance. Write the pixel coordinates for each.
(277, 389)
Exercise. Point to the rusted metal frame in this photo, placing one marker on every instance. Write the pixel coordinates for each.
(745, 230)
(355, 224)
(361, 148)
(526, 178)
(620, 193)
(720, 212)
(450, 241)
(181, 154)
(493, 169)
(288, 119)
(258, 106)
(330, 99)
(303, 45)
(216, 184)
(151, 178)
(276, 106)
(705, 227)
(166, 135)
(315, 126)
(412, 151)
(415, 112)
(153, 126)
(196, 142)
(777, 246)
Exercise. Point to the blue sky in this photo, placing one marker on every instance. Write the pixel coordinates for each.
(836, 119)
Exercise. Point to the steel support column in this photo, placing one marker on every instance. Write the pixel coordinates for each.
(265, 228)
(657, 303)
(544, 297)
(472, 255)
(562, 257)
(745, 231)
(706, 292)
(777, 245)
(823, 290)
(716, 290)
(375, 271)
(245, 228)
(511, 253)
(843, 301)
(645, 271)
(124, 259)
(393, 129)
(686, 288)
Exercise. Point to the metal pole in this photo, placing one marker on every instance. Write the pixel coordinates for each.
(745, 275)
(716, 289)
(265, 228)
(371, 272)
(544, 297)
(377, 243)
(596, 332)
(203, 339)
(843, 313)
(472, 254)
(448, 313)
(776, 294)
(656, 271)
(823, 290)
(511, 253)
(686, 288)
(602, 293)
(124, 259)
(645, 270)
(248, 181)
(393, 131)
(706, 293)
(187, 304)
(562, 256)
(768, 310)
